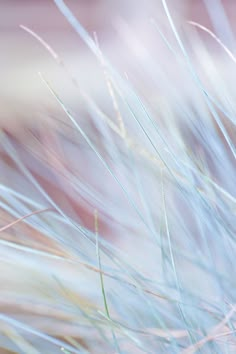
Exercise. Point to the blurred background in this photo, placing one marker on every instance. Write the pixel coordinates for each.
(133, 36)
(56, 167)
(124, 33)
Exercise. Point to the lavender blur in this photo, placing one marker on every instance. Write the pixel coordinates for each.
(128, 238)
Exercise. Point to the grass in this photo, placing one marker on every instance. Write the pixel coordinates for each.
(152, 268)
